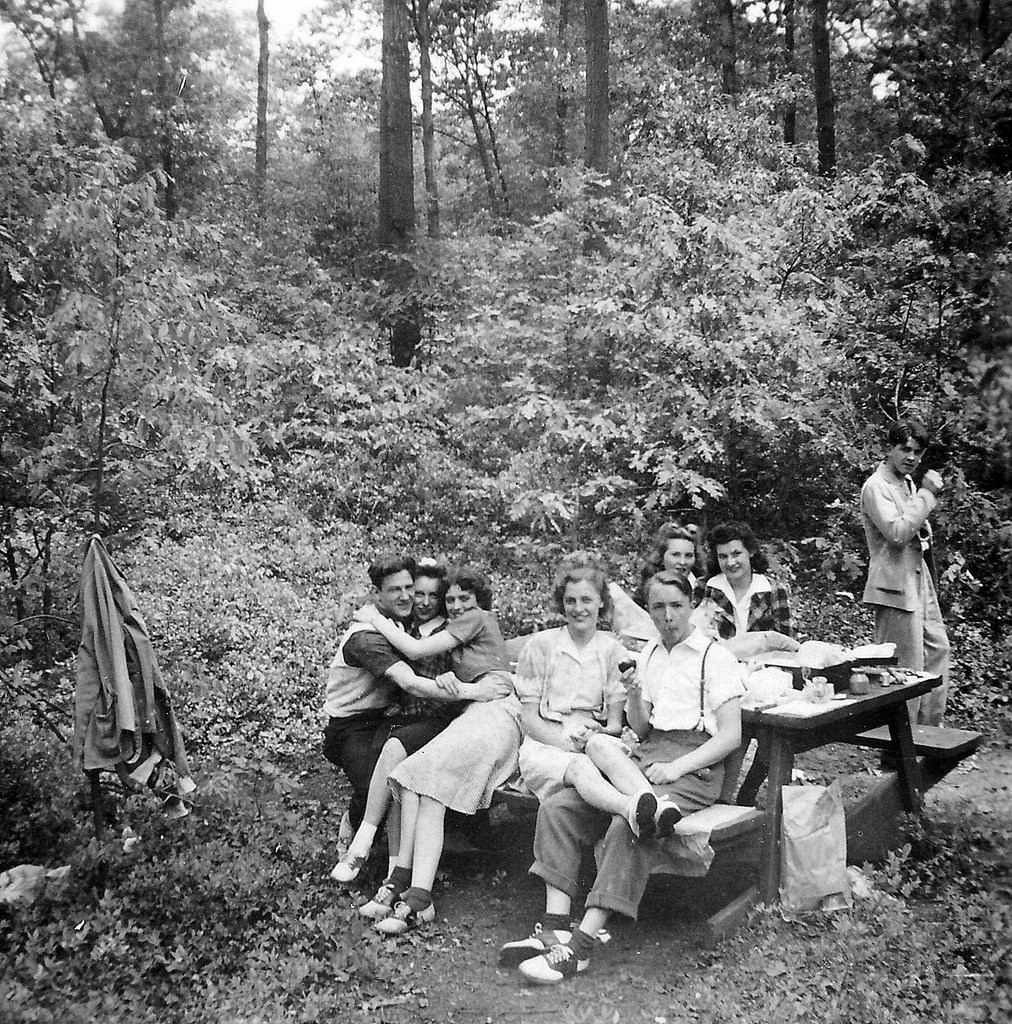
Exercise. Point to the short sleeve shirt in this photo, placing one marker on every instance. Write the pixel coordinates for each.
(481, 647)
(369, 650)
(670, 682)
(563, 679)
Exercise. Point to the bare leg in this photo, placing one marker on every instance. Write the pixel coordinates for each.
(428, 844)
(409, 818)
(378, 798)
(588, 781)
(393, 834)
(616, 765)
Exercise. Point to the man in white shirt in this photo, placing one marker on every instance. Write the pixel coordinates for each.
(684, 701)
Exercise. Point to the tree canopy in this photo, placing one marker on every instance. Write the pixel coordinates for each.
(178, 325)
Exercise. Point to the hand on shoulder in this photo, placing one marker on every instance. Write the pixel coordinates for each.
(368, 613)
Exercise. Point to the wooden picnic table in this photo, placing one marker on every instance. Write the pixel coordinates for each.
(781, 736)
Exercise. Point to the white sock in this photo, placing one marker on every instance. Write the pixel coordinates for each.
(362, 843)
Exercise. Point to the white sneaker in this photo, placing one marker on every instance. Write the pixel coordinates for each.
(558, 964)
(347, 868)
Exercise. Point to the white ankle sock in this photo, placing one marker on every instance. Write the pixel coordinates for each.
(362, 843)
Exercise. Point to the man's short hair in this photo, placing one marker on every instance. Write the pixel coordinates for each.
(902, 431)
(668, 578)
(388, 565)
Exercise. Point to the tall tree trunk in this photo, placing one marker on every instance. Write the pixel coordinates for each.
(165, 101)
(825, 114)
(260, 171)
(596, 153)
(421, 8)
(727, 47)
(791, 111)
(561, 99)
(482, 147)
(492, 138)
(396, 171)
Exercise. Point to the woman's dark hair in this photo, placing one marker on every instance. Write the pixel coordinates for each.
(576, 568)
(905, 430)
(668, 578)
(470, 579)
(430, 568)
(726, 533)
(388, 565)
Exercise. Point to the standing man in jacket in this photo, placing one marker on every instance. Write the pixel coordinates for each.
(900, 587)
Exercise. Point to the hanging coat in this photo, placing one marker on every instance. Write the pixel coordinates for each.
(122, 708)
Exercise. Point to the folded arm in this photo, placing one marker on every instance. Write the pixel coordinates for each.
(419, 686)
(899, 525)
(413, 648)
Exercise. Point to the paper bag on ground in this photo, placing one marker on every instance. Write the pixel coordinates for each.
(813, 849)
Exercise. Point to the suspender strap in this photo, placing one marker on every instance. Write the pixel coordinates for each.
(702, 686)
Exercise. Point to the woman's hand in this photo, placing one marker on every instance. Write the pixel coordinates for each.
(662, 773)
(368, 613)
(491, 687)
(577, 734)
(448, 683)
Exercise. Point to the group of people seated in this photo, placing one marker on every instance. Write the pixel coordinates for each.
(426, 714)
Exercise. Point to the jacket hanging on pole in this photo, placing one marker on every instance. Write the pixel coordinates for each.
(122, 708)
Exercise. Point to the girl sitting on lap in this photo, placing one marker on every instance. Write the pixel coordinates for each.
(572, 702)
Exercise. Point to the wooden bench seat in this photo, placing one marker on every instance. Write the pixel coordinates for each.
(722, 821)
(932, 742)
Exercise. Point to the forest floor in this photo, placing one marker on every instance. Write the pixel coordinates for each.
(650, 970)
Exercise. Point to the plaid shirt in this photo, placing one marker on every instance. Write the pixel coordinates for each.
(422, 707)
(767, 610)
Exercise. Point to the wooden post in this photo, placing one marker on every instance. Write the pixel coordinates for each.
(97, 806)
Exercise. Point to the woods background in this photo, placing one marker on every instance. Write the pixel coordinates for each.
(489, 280)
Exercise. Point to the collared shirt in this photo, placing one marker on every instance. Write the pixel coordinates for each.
(760, 584)
(413, 706)
(670, 682)
(766, 605)
(564, 679)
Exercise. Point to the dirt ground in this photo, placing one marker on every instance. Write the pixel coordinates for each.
(485, 897)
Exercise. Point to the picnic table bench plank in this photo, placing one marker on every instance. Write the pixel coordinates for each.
(931, 741)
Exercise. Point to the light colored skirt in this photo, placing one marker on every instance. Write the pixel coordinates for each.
(543, 767)
(468, 760)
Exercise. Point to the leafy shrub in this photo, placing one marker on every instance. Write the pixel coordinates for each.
(39, 796)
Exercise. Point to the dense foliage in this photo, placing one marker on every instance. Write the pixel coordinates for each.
(715, 329)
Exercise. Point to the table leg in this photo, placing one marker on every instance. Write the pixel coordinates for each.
(97, 802)
(781, 762)
(756, 774)
(908, 770)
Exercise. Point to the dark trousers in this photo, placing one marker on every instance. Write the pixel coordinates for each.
(354, 745)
